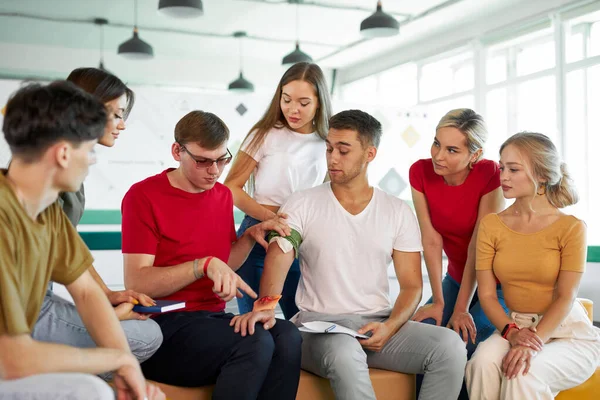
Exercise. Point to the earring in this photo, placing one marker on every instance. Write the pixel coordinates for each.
(542, 186)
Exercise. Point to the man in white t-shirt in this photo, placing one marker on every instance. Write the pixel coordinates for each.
(348, 233)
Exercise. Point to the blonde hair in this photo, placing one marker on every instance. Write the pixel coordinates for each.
(470, 124)
(545, 167)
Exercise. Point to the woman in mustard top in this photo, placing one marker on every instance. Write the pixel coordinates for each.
(547, 343)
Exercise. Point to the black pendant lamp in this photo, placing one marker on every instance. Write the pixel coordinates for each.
(135, 48)
(181, 8)
(379, 24)
(101, 22)
(297, 55)
(241, 84)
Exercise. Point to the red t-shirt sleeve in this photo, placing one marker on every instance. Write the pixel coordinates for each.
(415, 176)
(493, 172)
(140, 233)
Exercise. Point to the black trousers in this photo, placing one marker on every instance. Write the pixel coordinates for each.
(200, 348)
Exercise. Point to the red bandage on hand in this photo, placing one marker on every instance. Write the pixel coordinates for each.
(266, 303)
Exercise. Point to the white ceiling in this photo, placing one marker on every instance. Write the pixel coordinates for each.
(321, 29)
(328, 33)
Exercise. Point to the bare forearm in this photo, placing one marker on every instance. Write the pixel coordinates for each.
(433, 261)
(466, 291)
(98, 279)
(405, 306)
(159, 282)
(469, 279)
(249, 206)
(40, 357)
(240, 250)
(100, 319)
(556, 313)
(277, 265)
(467, 288)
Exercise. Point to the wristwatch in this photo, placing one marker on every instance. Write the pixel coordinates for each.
(507, 329)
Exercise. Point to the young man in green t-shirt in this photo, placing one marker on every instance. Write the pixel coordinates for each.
(51, 131)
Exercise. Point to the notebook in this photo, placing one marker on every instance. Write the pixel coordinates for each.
(330, 327)
(160, 307)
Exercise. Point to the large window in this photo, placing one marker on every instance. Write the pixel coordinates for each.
(582, 118)
(520, 88)
(409, 100)
(536, 77)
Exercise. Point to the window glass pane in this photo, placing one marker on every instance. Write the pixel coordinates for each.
(536, 107)
(362, 91)
(464, 78)
(594, 45)
(398, 86)
(592, 146)
(436, 81)
(575, 154)
(436, 111)
(535, 57)
(582, 126)
(496, 68)
(574, 45)
(497, 122)
(444, 77)
(583, 37)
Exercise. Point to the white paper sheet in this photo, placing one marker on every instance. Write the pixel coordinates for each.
(329, 327)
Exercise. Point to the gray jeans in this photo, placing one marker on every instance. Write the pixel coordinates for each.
(59, 322)
(436, 352)
(68, 386)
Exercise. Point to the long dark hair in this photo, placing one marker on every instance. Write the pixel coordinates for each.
(103, 85)
(273, 117)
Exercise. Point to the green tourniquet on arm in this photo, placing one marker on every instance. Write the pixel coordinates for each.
(294, 238)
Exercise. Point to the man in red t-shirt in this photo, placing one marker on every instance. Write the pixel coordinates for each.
(179, 243)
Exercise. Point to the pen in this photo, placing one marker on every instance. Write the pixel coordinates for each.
(332, 327)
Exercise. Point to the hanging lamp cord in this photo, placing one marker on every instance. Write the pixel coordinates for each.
(101, 43)
(241, 55)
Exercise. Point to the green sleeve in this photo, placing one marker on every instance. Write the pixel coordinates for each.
(294, 238)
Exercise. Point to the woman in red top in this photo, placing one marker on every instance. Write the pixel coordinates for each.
(451, 192)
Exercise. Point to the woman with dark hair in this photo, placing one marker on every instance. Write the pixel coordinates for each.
(284, 152)
(118, 99)
(59, 321)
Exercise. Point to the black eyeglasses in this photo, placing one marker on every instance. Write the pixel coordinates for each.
(202, 162)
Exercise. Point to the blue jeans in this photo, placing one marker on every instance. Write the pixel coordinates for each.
(483, 325)
(252, 270)
(59, 322)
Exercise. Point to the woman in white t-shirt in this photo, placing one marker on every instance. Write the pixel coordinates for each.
(284, 152)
